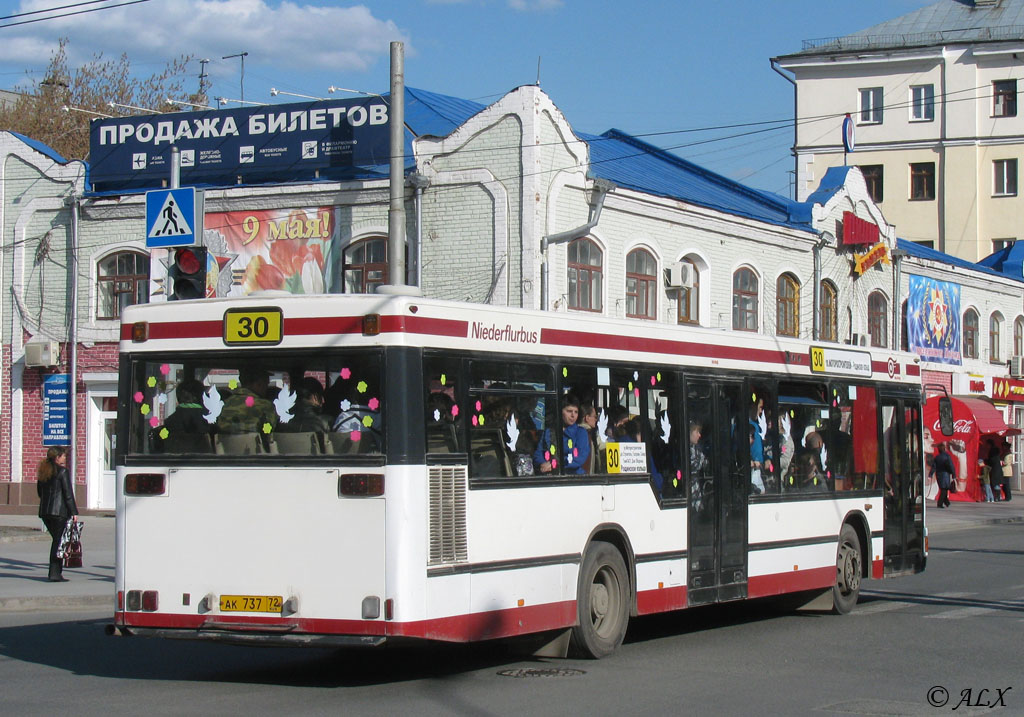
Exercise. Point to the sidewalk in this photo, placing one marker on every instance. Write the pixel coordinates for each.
(24, 553)
(24, 546)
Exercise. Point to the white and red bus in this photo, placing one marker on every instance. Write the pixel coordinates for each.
(339, 470)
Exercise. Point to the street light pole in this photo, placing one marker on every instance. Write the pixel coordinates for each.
(241, 56)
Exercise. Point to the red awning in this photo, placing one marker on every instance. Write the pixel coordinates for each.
(989, 419)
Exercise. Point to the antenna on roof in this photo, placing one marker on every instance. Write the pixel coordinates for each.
(538, 70)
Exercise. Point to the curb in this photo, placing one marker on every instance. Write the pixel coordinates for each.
(56, 602)
(13, 534)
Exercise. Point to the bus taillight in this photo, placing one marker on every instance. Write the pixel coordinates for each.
(144, 484)
(361, 485)
(145, 600)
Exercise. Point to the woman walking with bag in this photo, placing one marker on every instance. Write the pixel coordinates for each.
(942, 467)
(56, 503)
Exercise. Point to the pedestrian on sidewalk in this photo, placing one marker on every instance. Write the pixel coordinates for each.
(994, 461)
(1007, 460)
(983, 478)
(943, 469)
(56, 503)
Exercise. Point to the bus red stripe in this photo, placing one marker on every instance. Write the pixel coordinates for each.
(660, 600)
(794, 581)
(560, 337)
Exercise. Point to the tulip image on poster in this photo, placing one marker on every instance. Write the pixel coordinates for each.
(280, 250)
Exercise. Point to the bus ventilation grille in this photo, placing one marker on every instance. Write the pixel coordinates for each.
(447, 515)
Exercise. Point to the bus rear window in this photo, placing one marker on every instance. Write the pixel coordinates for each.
(257, 406)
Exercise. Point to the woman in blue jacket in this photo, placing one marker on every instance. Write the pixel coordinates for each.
(575, 443)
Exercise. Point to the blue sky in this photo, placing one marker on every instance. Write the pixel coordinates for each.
(644, 67)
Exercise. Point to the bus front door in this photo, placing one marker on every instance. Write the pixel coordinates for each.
(719, 481)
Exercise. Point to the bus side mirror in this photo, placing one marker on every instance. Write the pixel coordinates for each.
(946, 415)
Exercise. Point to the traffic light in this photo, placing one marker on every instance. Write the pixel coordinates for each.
(186, 276)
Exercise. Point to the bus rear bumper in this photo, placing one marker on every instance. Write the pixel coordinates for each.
(247, 636)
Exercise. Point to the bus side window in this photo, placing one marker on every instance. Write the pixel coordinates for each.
(662, 435)
(762, 436)
(443, 420)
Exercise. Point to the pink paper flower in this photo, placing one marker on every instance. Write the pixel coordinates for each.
(250, 401)
(373, 403)
(455, 411)
(346, 374)
(138, 397)
(356, 436)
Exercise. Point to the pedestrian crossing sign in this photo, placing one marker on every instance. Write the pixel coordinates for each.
(171, 218)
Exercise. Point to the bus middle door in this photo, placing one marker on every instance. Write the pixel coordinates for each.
(719, 484)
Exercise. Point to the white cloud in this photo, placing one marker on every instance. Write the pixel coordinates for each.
(277, 36)
(527, 5)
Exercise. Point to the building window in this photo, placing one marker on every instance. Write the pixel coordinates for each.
(873, 179)
(971, 334)
(878, 319)
(922, 181)
(689, 298)
(584, 275)
(871, 105)
(829, 312)
(744, 300)
(1000, 244)
(922, 103)
(366, 265)
(1004, 98)
(1004, 182)
(904, 339)
(123, 280)
(787, 306)
(995, 328)
(1018, 336)
(927, 243)
(641, 285)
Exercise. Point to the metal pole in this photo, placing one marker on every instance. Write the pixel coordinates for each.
(396, 213)
(175, 167)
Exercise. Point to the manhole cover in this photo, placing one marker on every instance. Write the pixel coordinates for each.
(541, 672)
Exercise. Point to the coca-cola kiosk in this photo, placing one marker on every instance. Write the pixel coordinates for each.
(975, 422)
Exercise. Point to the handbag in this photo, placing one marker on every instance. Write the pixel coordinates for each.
(70, 550)
(952, 485)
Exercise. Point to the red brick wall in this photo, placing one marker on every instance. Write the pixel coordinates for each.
(98, 358)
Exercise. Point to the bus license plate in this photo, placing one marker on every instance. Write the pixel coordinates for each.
(253, 326)
(250, 603)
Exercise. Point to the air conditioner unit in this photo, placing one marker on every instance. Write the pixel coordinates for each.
(41, 354)
(1017, 366)
(679, 275)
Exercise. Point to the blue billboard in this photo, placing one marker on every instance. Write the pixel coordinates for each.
(57, 410)
(933, 320)
(328, 139)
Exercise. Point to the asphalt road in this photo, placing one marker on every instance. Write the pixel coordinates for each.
(952, 629)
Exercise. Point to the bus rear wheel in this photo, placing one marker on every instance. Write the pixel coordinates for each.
(849, 564)
(602, 602)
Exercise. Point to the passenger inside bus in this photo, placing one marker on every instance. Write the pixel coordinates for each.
(187, 428)
(575, 443)
(247, 409)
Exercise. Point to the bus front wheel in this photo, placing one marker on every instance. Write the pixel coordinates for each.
(849, 564)
(602, 602)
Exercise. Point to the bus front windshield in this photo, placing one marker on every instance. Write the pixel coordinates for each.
(257, 404)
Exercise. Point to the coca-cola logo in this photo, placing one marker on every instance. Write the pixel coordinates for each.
(964, 425)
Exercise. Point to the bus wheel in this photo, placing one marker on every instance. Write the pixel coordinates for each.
(602, 602)
(849, 562)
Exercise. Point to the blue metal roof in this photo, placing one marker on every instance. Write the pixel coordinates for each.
(1008, 261)
(40, 147)
(634, 164)
(922, 252)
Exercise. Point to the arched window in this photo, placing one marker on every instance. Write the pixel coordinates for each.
(787, 306)
(829, 318)
(365, 265)
(744, 300)
(878, 319)
(971, 334)
(689, 298)
(123, 280)
(641, 285)
(1018, 336)
(584, 275)
(995, 329)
